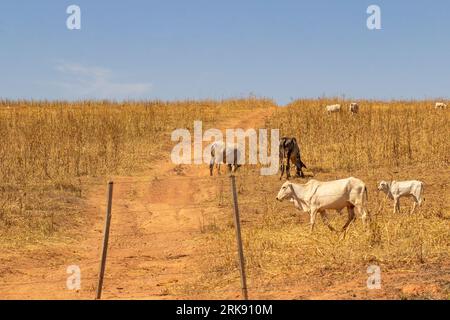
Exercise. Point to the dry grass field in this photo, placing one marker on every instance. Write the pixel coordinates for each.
(385, 141)
(51, 152)
(55, 158)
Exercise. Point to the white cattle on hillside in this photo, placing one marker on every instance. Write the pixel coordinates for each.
(228, 154)
(334, 108)
(440, 105)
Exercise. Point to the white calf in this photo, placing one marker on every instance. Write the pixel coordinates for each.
(335, 108)
(397, 189)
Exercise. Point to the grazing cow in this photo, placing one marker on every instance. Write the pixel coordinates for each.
(290, 152)
(353, 108)
(228, 154)
(440, 105)
(335, 108)
(396, 189)
(317, 197)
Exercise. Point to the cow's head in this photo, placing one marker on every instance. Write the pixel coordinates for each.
(384, 186)
(285, 191)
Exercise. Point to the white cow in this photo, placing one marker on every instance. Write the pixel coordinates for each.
(334, 108)
(440, 105)
(396, 189)
(353, 108)
(317, 197)
(228, 154)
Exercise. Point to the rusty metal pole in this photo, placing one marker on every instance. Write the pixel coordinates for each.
(101, 273)
(237, 225)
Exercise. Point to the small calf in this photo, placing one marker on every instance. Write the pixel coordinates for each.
(397, 189)
(335, 108)
(440, 105)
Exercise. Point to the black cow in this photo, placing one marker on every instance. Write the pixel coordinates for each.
(290, 152)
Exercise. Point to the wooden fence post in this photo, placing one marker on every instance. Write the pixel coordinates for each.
(105, 241)
(237, 225)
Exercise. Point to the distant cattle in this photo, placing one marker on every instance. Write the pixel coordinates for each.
(353, 108)
(397, 189)
(228, 154)
(317, 197)
(290, 152)
(440, 105)
(334, 108)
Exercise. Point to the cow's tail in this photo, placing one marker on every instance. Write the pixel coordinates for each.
(366, 194)
(213, 148)
(302, 165)
(422, 191)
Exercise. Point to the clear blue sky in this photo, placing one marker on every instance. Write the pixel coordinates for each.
(217, 49)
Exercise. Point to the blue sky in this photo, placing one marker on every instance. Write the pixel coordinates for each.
(218, 49)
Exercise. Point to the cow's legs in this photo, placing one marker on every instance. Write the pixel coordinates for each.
(417, 202)
(365, 216)
(413, 207)
(325, 220)
(298, 169)
(298, 166)
(396, 205)
(301, 172)
(351, 217)
(211, 166)
(288, 166)
(312, 219)
(281, 167)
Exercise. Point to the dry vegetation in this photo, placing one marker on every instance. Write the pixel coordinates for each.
(383, 134)
(51, 152)
(396, 140)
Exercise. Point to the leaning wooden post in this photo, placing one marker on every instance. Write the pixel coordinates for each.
(105, 241)
(237, 225)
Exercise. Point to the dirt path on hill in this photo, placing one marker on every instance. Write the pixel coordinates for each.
(153, 247)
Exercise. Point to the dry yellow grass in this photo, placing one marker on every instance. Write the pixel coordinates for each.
(386, 140)
(383, 134)
(51, 151)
